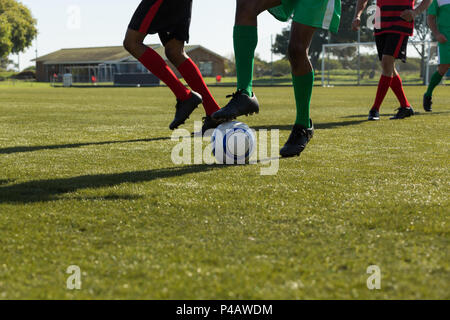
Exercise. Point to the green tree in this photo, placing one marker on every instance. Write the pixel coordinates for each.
(5, 37)
(5, 62)
(17, 25)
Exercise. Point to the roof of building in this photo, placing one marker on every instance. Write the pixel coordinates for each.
(103, 54)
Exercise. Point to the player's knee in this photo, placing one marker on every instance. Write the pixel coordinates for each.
(246, 8)
(129, 44)
(387, 67)
(443, 68)
(297, 52)
(174, 54)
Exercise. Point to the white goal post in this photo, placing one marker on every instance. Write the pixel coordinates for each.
(358, 63)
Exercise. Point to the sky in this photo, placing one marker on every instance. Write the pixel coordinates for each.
(91, 23)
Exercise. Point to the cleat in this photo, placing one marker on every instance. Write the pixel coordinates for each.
(209, 123)
(184, 109)
(427, 103)
(299, 138)
(239, 105)
(374, 115)
(403, 113)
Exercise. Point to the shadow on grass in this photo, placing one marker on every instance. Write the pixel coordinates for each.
(3, 181)
(416, 113)
(21, 149)
(49, 190)
(109, 197)
(318, 126)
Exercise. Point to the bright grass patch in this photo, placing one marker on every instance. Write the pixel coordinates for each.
(86, 179)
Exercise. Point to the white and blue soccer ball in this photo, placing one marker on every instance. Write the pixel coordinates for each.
(233, 143)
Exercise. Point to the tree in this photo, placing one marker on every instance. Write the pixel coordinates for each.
(280, 46)
(322, 37)
(18, 27)
(5, 62)
(5, 37)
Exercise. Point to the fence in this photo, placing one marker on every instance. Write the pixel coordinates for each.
(102, 73)
(358, 63)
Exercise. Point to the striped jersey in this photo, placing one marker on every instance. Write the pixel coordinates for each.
(388, 18)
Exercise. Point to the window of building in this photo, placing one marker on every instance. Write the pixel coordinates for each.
(206, 68)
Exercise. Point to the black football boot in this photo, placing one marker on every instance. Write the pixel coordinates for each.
(240, 105)
(374, 115)
(210, 123)
(184, 109)
(427, 103)
(299, 138)
(403, 113)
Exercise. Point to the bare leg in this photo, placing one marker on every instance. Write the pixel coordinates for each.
(443, 68)
(247, 11)
(388, 65)
(299, 43)
(134, 43)
(175, 52)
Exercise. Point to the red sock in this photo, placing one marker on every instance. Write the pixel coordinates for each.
(397, 87)
(156, 65)
(383, 87)
(193, 77)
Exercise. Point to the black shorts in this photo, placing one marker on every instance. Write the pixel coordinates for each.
(392, 44)
(171, 19)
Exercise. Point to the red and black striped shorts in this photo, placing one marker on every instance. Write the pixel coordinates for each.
(171, 19)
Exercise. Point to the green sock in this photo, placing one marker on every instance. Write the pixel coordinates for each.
(303, 90)
(245, 40)
(435, 80)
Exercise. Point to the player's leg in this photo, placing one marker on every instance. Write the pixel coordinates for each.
(245, 39)
(150, 18)
(436, 78)
(397, 87)
(303, 81)
(302, 70)
(387, 65)
(394, 47)
(308, 15)
(133, 43)
(444, 64)
(176, 54)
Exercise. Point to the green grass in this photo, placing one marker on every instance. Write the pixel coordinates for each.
(86, 179)
(9, 83)
(6, 74)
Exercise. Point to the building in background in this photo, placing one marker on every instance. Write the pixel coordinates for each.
(102, 63)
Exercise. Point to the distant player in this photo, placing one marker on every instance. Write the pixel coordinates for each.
(439, 23)
(308, 16)
(393, 27)
(171, 20)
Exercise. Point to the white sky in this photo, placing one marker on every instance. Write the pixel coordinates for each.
(104, 22)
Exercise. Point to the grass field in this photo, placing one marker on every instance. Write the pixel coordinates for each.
(86, 179)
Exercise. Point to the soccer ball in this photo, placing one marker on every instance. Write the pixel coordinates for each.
(233, 143)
